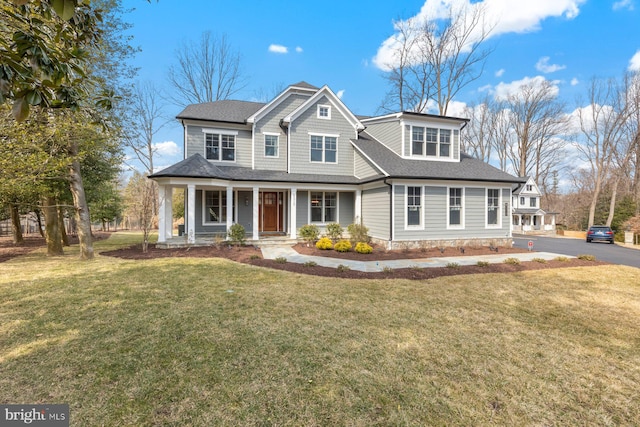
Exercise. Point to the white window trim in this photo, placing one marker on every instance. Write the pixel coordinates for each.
(424, 156)
(233, 133)
(486, 209)
(328, 107)
(264, 151)
(323, 222)
(406, 206)
(324, 135)
(462, 210)
(204, 208)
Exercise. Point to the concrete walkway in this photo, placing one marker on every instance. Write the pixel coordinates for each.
(286, 251)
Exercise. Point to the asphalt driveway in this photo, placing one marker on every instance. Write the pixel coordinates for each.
(615, 254)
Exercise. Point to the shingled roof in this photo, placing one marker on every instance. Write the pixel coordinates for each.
(221, 111)
(468, 169)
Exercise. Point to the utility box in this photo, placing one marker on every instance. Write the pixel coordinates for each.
(628, 237)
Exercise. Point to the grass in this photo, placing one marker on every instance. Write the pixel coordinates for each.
(211, 342)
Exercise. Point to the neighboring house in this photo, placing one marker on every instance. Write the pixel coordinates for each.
(305, 158)
(527, 214)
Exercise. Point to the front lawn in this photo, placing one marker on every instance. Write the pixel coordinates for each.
(205, 342)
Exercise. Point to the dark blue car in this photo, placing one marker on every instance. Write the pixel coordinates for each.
(600, 232)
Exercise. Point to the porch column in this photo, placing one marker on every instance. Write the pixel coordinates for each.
(255, 221)
(162, 201)
(293, 218)
(191, 213)
(168, 212)
(229, 209)
(358, 207)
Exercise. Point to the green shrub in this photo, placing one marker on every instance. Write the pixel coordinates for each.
(281, 260)
(254, 256)
(325, 244)
(363, 248)
(453, 265)
(342, 268)
(482, 264)
(236, 234)
(334, 231)
(342, 246)
(358, 233)
(587, 257)
(512, 261)
(310, 264)
(309, 233)
(540, 260)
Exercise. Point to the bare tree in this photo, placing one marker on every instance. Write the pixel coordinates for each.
(434, 60)
(206, 72)
(537, 119)
(601, 125)
(147, 119)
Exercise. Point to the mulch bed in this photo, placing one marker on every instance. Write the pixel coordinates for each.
(253, 256)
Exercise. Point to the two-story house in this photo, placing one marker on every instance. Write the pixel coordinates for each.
(305, 158)
(528, 216)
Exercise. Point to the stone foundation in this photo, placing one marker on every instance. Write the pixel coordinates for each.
(504, 242)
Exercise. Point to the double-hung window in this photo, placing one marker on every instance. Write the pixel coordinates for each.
(417, 141)
(215, 207)
(432, 142)
(445, 142)
(533, 202)
(455, 207)
(324, 148)
(414, 206)
(220, 146)
(270, 145)
(493, 206)
(324, 206)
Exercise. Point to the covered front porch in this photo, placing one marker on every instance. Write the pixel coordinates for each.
(269, 212)
(533, 220)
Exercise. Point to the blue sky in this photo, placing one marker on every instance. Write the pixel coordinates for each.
(341, 42)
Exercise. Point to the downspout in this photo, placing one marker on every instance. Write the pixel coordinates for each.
(390, 210)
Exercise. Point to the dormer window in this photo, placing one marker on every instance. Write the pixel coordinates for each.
(324, 112)
(529, 187)
(433, 142)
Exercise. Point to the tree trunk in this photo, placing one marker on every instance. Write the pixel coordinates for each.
(83, 219)
(16, 227)
(594, 201)
(52, 228)
(63, 230)
(612, 204)
(39, 220)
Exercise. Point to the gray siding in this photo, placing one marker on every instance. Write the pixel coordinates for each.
(302, 208)
(388, 133)
(435, 215)
(375, 212)
(245, 212)
(346, 208)
(271, 124)
(195, 143)
(363, 168)
(300, 141)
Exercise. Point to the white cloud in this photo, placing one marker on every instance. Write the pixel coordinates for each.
(166, 148)
(503, 90)
(544, 66)
(502, 14)
(340, 93)
(623, 4)
(634, 63)
(574, 82)
(278, 48)
(299, 49)
(499, 73)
